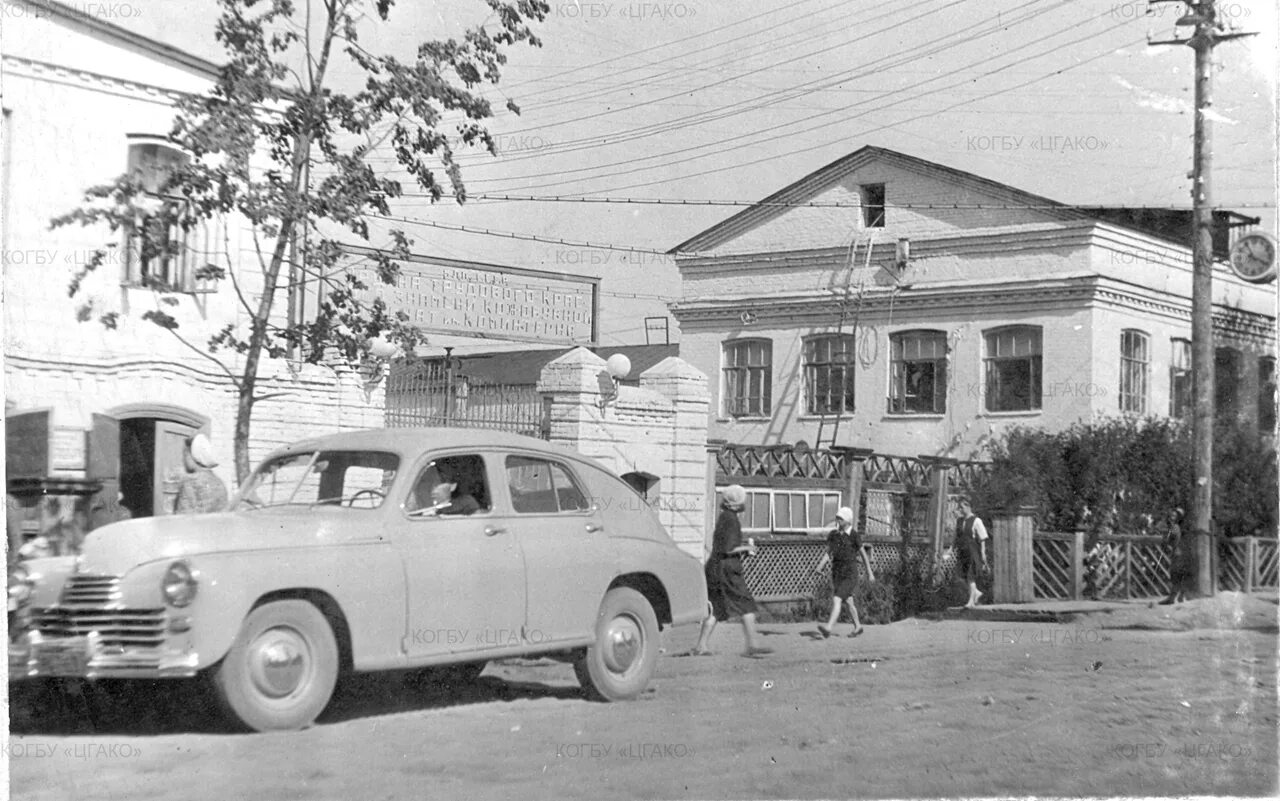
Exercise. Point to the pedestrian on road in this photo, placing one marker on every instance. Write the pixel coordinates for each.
(844, 546)
(971, 548)
(727, 591)
(1182, 567)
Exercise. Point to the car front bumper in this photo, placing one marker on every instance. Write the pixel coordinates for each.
(32, 655)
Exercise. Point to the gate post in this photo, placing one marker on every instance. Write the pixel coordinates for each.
(939, 479)
(1012, 580)
(851, 461)
(1076, 568)
(714, 448)
(1250, 562)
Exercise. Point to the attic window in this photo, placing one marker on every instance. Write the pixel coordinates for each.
(872, 205)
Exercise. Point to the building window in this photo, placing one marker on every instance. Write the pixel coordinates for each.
(1135, 370)
(770, 511)
(872, 205)
(828, 374)
(1013, 369)
(1267, 393)
(175, 246)
(918, 372)
(1226, 383)
(748, 378)
(1180, 379)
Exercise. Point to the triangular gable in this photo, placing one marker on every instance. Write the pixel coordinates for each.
(953, 192)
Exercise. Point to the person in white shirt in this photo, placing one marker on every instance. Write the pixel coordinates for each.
(971, 548)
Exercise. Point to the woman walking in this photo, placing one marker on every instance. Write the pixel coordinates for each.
(726, 588)
(844, 546)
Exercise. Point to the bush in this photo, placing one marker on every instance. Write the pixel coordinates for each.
(1143, 467)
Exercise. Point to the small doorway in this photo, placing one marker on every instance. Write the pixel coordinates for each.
(151, 466)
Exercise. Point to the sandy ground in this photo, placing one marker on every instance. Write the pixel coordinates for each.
(1146, 701)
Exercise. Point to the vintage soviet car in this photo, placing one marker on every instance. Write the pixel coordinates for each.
(363, 551)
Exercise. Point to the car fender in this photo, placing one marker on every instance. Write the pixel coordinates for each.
(680, 575)
(365, 581)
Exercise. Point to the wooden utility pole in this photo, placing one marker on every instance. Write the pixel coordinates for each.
(1203, 17)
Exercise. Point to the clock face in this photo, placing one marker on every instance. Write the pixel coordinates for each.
(1253, 258)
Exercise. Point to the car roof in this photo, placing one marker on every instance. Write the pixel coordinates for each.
(412, 441)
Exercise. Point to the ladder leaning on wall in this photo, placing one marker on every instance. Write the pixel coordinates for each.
(827, 413)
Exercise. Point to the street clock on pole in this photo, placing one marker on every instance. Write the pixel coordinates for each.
(1253, 258)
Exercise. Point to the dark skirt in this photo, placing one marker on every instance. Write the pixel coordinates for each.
(844, 581)
(727, 589)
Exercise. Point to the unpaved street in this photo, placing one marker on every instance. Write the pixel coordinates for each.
(1147, 702)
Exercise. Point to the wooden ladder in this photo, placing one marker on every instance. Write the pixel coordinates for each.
(827, 414)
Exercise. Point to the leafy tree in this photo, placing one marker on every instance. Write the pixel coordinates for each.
(275, 114)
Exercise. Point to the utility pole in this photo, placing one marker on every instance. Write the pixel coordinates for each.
(1202, 15)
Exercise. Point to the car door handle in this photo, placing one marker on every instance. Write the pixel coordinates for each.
(593, 527)
(493, 531)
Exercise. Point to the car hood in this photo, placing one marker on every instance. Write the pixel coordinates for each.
(113, 550)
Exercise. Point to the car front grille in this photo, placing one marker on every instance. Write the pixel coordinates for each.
(95, 590)
(88, 606)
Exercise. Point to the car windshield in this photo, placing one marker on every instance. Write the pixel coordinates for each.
(354, 479)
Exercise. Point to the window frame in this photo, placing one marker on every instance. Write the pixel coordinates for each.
(1181, 388)
(897, 394)
(178, 270)
(1135, 369)
(1267, 411)
(575, 480)
(830, 498)
(738, 405)
(411, 491)
(1035, 360)
(874, 214)
(811, 368)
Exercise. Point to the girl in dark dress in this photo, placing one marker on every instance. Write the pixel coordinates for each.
(727, 591)
(844, 547)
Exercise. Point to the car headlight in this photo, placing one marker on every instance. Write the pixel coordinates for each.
(179, 584)
(20, 583)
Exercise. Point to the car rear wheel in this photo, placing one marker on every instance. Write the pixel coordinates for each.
(618, 666)
(281, 669)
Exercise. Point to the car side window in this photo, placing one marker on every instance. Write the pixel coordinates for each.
(539, 486)
(450, 486)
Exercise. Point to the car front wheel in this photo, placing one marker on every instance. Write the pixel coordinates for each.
(618, 666)
(281, 669)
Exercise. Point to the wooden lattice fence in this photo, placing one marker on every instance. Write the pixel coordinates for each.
(1249, 563)
(783, 567)
(1121, 566)
(1052, 566)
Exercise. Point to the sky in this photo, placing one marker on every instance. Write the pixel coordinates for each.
(731, 101)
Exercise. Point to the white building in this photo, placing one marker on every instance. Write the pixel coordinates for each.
(85, 101)
(934, 309)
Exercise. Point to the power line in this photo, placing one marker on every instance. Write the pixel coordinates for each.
(836, 204)
(822, 145)
(514, 235)
(754, 134)
(754, 103)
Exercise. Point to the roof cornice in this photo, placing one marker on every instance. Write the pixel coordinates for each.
(73, 15)
(878, 305)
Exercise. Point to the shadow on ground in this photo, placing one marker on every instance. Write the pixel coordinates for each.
(142, 708)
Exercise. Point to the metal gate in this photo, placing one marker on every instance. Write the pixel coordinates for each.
(427, 394)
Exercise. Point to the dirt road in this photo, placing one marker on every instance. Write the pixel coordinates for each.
(1147, 702)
